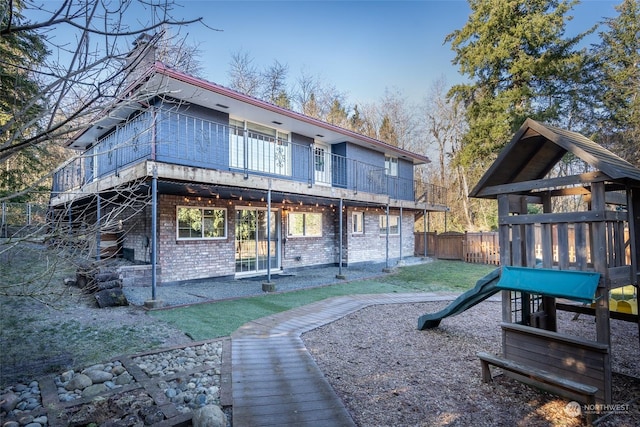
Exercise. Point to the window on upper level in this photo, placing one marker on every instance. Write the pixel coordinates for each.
(201, 223)
(268, 149)
(390, 166)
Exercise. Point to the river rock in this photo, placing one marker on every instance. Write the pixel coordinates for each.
(93, 390)
(209, 416)
(8, 402)
(118, 370)
(66, 376)
(98, 377)
(124, 379)
(79, 382)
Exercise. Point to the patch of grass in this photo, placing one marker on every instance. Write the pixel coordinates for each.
(218, 319)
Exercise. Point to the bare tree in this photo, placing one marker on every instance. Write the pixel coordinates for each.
(400, 114)
(316, 98)
(274, 80)
(86, 64)
(244, 76)
(91, 41)
(443, 126)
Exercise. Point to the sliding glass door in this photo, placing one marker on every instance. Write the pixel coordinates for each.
(253, 242)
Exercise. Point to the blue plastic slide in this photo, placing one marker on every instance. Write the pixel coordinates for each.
(484, 288)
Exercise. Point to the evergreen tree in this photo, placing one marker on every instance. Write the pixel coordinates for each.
(356, 123)
(520, 66)
(20, 53)
(337, 114)
(618, 58)
(387, 132)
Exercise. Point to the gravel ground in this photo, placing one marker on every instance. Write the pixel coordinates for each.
(388, 373)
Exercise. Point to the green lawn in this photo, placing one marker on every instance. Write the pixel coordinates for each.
(218, 319)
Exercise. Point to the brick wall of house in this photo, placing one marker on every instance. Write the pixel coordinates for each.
(309, 251)
(193, 259)
(371, 245)
(137, 233)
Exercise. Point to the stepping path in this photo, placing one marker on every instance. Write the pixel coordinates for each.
(276, 382)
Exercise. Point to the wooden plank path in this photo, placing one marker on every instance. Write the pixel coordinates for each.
(275, 381)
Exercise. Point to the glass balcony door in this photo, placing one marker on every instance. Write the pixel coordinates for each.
(322, 164)
(253, 243)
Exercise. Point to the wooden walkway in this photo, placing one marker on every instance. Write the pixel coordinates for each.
(276, 382)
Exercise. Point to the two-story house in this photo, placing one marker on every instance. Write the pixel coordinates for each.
(235, 186)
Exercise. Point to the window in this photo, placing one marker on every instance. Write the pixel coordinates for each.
(268, 149)
(390, 166)
(305, 224)
(357, 222)
(393, 224)
(201, 223)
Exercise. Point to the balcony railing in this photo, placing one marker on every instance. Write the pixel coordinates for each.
(192, 141)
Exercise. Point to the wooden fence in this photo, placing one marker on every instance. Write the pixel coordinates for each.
(484, 247)
(478, 248)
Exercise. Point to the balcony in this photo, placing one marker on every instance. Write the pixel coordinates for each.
(179, 139)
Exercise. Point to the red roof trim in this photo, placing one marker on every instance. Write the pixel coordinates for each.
(204, 84)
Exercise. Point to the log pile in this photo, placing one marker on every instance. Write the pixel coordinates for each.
(105, 286)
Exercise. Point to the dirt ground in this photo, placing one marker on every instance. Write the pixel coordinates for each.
(389, 373)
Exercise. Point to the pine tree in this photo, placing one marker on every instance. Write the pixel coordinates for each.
(520, 66)
(387, 132)
(618, 58)
(21, 53)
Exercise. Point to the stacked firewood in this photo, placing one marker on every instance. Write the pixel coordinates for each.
(104, 285)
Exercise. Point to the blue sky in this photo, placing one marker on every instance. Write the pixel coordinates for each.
(360, 47)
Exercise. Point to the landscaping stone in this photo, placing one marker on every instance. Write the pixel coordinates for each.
(209, 416)
(192, 382)
(9, 401)
(99, 376)
(94, 390)
(78, 382)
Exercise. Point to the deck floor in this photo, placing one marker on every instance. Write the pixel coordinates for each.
(275, 381)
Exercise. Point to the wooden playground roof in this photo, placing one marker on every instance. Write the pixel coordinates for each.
(533, 152)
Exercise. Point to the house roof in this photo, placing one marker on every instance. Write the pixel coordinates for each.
(161, 79)
(536, 148)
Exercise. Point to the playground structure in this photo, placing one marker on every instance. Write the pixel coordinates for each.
(589, 254)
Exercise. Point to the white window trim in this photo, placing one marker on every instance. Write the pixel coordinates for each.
(391, 170)
(202, 208)
(359, 221)
(304, 214)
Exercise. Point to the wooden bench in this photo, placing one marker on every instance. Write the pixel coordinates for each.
(570, 357)
(540, 376)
